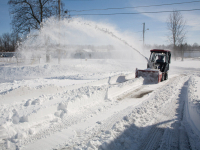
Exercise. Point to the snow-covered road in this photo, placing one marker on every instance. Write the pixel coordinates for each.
(152, 122)
(77, 106)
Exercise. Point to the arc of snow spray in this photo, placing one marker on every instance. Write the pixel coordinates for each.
(110, 33)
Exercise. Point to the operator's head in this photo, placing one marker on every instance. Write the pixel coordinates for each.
(160, 57)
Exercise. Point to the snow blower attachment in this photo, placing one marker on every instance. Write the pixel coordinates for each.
(157, 67)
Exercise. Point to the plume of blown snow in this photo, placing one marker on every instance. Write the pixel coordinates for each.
(56, 36)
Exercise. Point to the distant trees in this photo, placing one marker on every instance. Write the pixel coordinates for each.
(8, 42)
(29, 14)
(183, 50)
(177, 33)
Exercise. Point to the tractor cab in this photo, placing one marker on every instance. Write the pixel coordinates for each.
(157, 66)
(159, 59)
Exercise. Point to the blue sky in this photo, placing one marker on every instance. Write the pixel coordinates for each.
(157, 33)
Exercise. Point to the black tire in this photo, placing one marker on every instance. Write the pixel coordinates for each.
(163, 77)
(166, 76)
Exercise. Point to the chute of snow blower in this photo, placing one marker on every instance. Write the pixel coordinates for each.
(157, 67)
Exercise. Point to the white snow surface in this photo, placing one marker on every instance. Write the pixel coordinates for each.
(98, 104)
(193, 104)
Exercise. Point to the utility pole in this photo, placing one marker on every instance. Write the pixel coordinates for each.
(144, 32)
(59, 30)
(59, 9)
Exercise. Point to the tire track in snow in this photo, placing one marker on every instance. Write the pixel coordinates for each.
(130, 93)
(154, 141)
(109, 122)
(151, 142)
(168, 134)
(169, 137)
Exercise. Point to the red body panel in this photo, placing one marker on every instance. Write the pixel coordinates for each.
(160, 74)
(159, 50)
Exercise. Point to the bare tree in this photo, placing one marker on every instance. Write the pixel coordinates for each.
(29, 14)
(6, 39)
(176, 27)
(1, 44)
(8, 42)
(13, 44)
(195, 45)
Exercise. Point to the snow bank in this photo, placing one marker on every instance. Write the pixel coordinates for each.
(74, 69)
(11, 73)
(91, 95)
(118, 89)
(86, 96)
(193, 104)
(144, 121)
(30, 115)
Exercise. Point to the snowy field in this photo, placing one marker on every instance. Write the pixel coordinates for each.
(82, 104)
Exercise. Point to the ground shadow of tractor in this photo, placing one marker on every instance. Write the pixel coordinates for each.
(138, 138)
(156, 136)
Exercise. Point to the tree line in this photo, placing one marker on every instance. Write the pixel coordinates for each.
(8, 42)
(177, 50)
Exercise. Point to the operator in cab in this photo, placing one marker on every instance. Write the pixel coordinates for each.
(160, 59)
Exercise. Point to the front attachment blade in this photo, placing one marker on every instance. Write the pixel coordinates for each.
(150, 75)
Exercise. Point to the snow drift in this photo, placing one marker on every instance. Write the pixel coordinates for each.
(193, 104)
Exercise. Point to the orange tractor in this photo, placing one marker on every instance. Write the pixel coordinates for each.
(157, 66)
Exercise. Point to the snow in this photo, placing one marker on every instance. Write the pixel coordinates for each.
(193, 104)
(140, 120)
(94, 103)
(97, 104)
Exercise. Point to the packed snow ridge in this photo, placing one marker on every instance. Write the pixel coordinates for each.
(98, 104)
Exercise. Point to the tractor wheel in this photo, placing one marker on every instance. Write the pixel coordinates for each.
(163, 77)
(166, 76)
